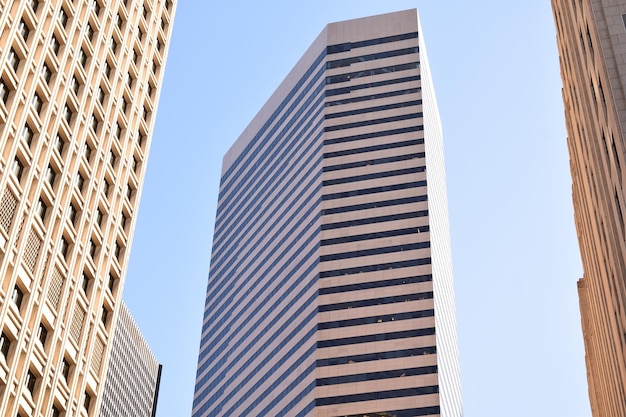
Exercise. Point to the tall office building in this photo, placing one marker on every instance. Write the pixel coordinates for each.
(134, 375)
(79, 85)
(330, 289)
(591, 37)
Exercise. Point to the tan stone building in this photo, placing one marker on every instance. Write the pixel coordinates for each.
(591, 37)
(330, 290)
(79, 86)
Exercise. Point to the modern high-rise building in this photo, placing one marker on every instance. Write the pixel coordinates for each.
(591, 37)
(79, 86)
(134, 375)
(330, 290)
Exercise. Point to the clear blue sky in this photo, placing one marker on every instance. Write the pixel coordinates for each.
(516, 259)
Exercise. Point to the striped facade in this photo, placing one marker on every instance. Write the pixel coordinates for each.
(330, 290)
(79, 86)
(134, 375)
(591, 37)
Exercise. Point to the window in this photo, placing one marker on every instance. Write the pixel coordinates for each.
(129, 192)
(112, 158)
(133, 164)
(42, 334)
(27, 134)
(64, 247)
(63, 17)
(129, 81)
(104, 316)
(113, 45)
(30, 381)
(14, 60)
(80, 181)
(92, 249)
(17, 297)
(118, 131)
(85, 283)
(117, 250)
(40, 209)
(101, 95)
(106, 187)
(89, 31)
(144, 114)
(82, 58)
(55, 412)
(65, 369)
(93, 123)
(124, 220)
(50, 175)
(4, 92)
(124, 105)
(67, 114)
(107, 69)
(74, 85)
(118, 21)
(86, 151)
(55, 45)
(158, 45)
(59, 144)
(99, 217)
(95, 6)
(72, 213)
(37, 103)
(87, 400)
(33, 4)
(111, 283)
(23, 29)
(17, 168)
(5, 345)
(46, 73)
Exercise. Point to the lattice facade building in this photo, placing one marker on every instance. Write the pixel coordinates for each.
(79, 86)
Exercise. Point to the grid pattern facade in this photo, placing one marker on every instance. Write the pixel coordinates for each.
(591, 37)
(322, 296)
(79, 84)
(132, 379)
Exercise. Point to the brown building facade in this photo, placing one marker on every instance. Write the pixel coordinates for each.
(79, 86)
(591, 37)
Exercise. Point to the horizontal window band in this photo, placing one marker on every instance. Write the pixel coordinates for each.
(298, 88)
(378, 161)
(344, 47)
(387, 94)
(365, 177)
(374, 251)
(376, 284)
(375, 376)
(374, 148)
(374, 190)
(413, 412)
(380, 337)
(372, 268)
(404, 298)
(345, 62)
(376, 319)
(369, 357)
(375, 235)
(380, 395)
(374, 109)
(391, 119)
(375, 204)
(378, 134)
(351, 88)
(372, 220)
(342, 78)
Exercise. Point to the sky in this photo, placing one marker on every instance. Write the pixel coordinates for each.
(515, 253)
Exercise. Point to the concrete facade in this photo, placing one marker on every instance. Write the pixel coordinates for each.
(591, 37)
(133, 377)
(79, 86)
(330, 290)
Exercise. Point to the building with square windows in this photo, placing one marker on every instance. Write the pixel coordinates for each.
(330, 290)
(79, 87)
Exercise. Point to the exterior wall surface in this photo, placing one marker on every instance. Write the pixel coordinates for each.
(320, 298)
(132, 380)
(79, 86)
(591, 36)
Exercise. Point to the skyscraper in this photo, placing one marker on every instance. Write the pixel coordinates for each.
(330, 289)
(591, 36)
(134, 375)
(79, 85)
